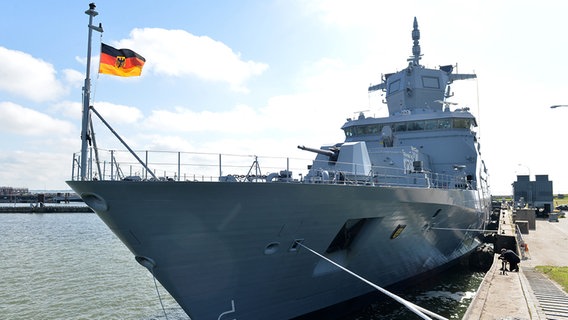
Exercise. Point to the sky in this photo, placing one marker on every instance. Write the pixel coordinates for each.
(263, 76)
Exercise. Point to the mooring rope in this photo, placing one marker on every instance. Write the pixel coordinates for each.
(421, 312)
(158, 292)
(458, 229)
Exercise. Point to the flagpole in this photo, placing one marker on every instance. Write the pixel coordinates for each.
(87, 92)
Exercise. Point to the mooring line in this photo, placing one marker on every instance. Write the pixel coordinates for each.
(158, 292)
(458, 229)
(421, 312)
(150, 264)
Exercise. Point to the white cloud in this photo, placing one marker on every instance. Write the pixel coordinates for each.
(23, 121)
(70, 109)
(239, 119)
(167, 143)
(111, 112)
(23, 75)
(180, 53)
(36, 170)
(117, 113)
(74, 77)
(331, 93)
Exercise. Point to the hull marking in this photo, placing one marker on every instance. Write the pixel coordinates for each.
(229, 311)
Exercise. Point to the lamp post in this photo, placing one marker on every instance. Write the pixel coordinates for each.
(528, 169)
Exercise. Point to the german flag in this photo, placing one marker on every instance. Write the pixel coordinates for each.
(120, 62)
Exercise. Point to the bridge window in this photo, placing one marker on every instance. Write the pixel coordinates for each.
(431, 82)
(416, 125)
(431, 125)
(375, 129)
(372, 129)
(462, 123)
(444, 123)
(401, 126)
(394, 86)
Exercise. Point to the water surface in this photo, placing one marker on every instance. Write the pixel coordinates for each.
(71, 266)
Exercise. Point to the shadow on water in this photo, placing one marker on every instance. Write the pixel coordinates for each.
(173, 313)
(447, 294)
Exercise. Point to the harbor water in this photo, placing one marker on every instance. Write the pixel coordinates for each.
(71, 266)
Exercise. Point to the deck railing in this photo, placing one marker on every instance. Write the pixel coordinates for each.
(214, 167)
(182, 166)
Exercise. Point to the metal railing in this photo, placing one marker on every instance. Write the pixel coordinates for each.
(214, 167)
(180, 166)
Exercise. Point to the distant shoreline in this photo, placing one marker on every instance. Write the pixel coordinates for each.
(45, 209)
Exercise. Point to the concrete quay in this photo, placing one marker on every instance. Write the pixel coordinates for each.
(527, 294)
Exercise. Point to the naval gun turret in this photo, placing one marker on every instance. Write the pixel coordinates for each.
(332, 153)
(352, 163)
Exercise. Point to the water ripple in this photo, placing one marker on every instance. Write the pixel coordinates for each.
(70, 266)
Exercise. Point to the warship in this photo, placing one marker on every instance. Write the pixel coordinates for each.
(403, 195)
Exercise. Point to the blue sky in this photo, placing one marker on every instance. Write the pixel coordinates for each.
(261, 77)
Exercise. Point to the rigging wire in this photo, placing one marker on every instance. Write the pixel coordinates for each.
(96, 149)
(123, 143)
(98, 74)
(478, 108)
(421, 312)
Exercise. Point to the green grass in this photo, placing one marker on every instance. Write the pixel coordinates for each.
(556, 200)
(558, 274)
(560, 201)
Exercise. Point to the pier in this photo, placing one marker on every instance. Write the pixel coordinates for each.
(21, 200)
(527, 294)
(46, 208)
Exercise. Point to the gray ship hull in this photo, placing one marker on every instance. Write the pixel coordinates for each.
(229, 250)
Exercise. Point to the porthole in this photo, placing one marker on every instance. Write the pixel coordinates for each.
(272, 248)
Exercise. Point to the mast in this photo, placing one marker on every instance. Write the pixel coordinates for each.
(85, 137)
(416, 56)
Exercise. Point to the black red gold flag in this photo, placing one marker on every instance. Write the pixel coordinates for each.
(120, 62)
